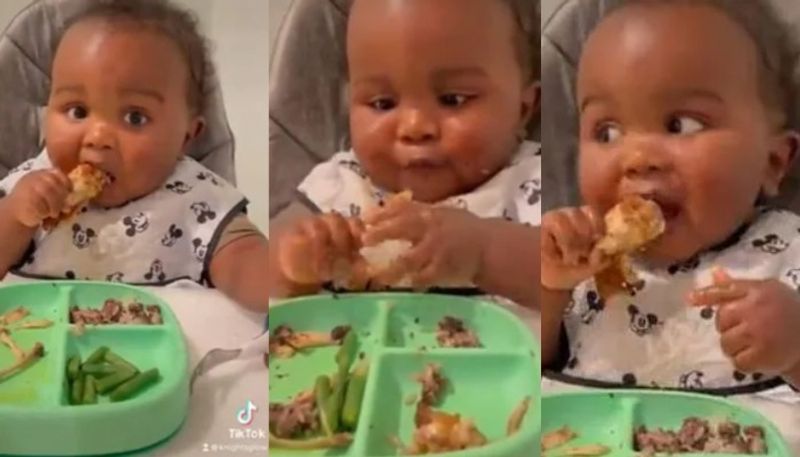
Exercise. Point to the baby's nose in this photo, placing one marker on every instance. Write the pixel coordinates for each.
(99, 136)
(644, 161)
(418, 126)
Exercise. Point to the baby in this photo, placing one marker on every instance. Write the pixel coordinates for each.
(440, 94)
(126, 98)
(696, 122)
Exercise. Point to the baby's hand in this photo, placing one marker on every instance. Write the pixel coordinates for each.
(758, 322)
(39, 195)
(310, 252)
(448, 243)
(568, 255)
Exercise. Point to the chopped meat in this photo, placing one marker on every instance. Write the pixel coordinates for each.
(154, 314)
(87, 183)
(655, 441)
(282, 334)
(442, 432)
(433, 383)
(339, 332)
(693, 434)
(295, 419)
(112, 309)
(696, 435)
(114, 312)
(452, 333)
(754, 437)
(630, 225)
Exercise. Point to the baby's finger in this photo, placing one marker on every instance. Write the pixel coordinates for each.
(567, 240)
(49, 197)
(411, 226)
(585, 233)
(61, 179)
(735, 340)
(728, 317)
(720, 276)
(356, 227)
(747, 361)
(339, 231)
(317, 233)
(598, 225)
(718, 294)
(429, 275)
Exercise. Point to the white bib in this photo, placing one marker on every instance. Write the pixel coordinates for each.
(164, 236)
(340, 185)
(656, 338)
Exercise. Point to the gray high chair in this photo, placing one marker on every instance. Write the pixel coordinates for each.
(308, 101)
(26, 53)
(565, 26)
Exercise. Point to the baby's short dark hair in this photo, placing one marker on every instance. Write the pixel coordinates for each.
(162, 16)
(527, 37)
(774, 46)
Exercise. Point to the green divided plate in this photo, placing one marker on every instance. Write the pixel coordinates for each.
(397, 333)
(35, 415)
(610, 418)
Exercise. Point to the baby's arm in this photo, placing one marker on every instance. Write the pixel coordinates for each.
(240, 269)
(16, 237)
(511, 262)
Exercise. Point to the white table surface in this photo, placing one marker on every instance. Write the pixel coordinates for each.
(210, 320)
(784, 415)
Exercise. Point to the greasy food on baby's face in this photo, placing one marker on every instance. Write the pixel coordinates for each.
(630, 226)
(88, 183)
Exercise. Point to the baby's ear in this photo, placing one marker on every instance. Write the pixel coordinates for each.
(196, 128)
(530, 103)
(781, 155)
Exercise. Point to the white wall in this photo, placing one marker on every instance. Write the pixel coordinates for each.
(239, 32)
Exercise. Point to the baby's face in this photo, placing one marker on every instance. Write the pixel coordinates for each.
(437, 93)
(670, 108)
(118, 101)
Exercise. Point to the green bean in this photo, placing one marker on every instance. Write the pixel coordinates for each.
(347, 353)
(98, 355)
(334, 404)
(90, 391)
(76, 391)
(134, 385)
(355, 394)
(108, 383)
(112, 357)
(73, 367)
(101, 369)
(322, 392)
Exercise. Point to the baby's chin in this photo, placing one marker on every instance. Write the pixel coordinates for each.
(115, 196)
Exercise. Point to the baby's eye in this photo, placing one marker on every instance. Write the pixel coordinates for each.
(684, 125)
(77, 113)
(382, 104)
(136, 118)
(453, 100)
(607, 133)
